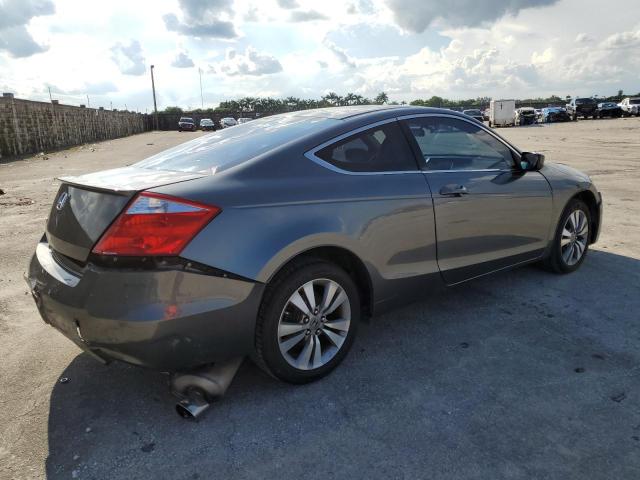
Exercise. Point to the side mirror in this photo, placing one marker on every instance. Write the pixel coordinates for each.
(531, 161)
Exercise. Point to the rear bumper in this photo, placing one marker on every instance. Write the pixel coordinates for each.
(166, 320)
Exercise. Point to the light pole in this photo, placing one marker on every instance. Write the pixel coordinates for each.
(155, 106)
(201, 97)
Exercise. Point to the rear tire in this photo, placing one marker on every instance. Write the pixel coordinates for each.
(571, 240)
(307, 321)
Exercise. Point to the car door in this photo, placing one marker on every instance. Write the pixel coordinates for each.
(489, 215)
(383, 200)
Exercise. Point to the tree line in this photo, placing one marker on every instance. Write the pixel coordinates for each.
(269, 105)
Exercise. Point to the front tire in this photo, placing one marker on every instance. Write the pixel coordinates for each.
(571, 240)
(307, 321)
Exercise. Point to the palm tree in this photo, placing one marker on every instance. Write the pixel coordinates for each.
(381, 98)
(333, 98)
(350, 99)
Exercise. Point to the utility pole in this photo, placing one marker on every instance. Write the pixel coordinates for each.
(155, 105)
(88, 102)
(50, 97)
(201, 97)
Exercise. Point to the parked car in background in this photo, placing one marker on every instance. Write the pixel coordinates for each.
(207, 124)
(608, 109)
(228, 122)
(186, 123)
(502, 113)
(525, 116)
(553, 114)
(474, 113)
(485, 114)
(582, 107)
(242, 120)
(630, 106)
(233, 245)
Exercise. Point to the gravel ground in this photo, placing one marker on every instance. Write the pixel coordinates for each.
(518, 375)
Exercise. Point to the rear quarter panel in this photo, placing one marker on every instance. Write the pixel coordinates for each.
(279, 207)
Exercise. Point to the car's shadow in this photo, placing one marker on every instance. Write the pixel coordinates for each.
(473, 382)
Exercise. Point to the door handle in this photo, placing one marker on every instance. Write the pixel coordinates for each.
(454, 190)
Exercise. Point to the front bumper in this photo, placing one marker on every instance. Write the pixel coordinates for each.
(598, 224)
(169, 319)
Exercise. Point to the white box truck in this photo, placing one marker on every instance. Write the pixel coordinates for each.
(502, 113)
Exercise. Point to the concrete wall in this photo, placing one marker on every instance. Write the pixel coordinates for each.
(30, 127)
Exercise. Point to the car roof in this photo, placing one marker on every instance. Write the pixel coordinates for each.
(365, 111)
(229, 147)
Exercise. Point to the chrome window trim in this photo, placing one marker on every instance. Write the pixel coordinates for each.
(311, 154)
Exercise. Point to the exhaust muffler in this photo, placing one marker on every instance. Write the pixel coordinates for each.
(198, 388)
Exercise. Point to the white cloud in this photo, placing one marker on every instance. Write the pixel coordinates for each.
(307, 16)
(341, 55)
(251, 62)
(129, 58)
(182, 60)
(583, 38)
(545, 57)
(288, 4)
(15, 15)
(623, 40)
(203, 19)
(98, 88)
(416, 15)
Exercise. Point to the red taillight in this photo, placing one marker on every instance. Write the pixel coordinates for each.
(155, 224)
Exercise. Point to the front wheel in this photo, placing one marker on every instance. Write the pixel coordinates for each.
(307, 321)
(571, 240)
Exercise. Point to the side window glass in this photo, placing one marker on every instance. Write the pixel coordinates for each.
(379, 149)
(451, 144)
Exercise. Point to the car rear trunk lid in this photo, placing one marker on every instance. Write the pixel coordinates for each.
(86, 205)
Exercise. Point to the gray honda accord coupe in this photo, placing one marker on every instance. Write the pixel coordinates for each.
(275, 238)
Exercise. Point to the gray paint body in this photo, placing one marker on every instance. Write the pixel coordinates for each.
(282, 204)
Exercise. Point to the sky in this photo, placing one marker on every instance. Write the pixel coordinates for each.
(407, 48)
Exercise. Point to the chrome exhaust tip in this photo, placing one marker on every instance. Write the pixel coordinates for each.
(192, 408)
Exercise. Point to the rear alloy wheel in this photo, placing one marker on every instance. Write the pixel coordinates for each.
(571, 241)
(307, 322)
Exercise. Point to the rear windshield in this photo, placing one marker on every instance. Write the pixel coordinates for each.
(186, 119)
(231, 146)
(582, 101)
(635, 101)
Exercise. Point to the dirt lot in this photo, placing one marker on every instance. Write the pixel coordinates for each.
(518, 375)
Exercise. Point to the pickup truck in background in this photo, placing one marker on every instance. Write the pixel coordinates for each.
(630, 106)
(582, 107)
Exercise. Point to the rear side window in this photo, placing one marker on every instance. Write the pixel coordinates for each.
(379, 149)
(453, 144)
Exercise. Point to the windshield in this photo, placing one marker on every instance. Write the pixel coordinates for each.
(583, 101)
(186, 119)
(472, 112)
(232, 146)
(634, 101)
